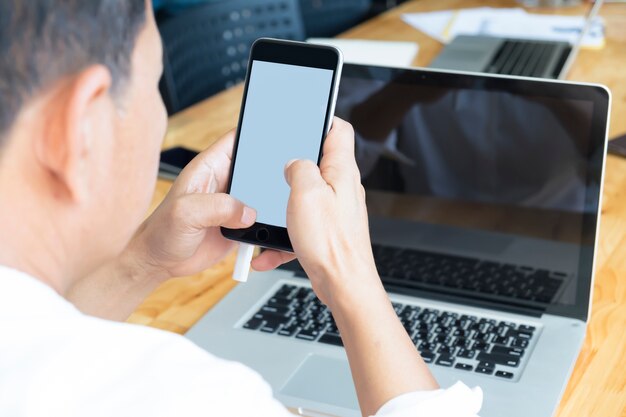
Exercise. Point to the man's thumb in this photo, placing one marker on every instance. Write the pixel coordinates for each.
(302, 174)
(203, 210)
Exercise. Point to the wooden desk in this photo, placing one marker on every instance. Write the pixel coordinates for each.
(598, 385)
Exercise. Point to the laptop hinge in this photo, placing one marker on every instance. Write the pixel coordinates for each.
(466, 301)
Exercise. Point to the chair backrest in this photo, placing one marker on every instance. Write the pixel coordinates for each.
(206, 48)
(327, 18)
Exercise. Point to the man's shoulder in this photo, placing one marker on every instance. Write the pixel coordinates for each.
(118, 366)
(143, 340)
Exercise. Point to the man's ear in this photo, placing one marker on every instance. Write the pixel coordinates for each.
(73, 116)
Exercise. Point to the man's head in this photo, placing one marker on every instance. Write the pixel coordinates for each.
(81, 122)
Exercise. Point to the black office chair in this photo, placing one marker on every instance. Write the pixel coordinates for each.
(327, 18)
(206, 48)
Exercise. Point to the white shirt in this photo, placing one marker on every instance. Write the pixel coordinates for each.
(57, 361)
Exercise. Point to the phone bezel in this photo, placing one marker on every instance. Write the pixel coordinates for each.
(292, 53)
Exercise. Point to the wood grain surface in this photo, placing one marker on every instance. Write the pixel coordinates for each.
(598, 384)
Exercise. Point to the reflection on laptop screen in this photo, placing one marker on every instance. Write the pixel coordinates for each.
(479, 187)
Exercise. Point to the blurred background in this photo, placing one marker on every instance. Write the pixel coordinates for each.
(207, 42)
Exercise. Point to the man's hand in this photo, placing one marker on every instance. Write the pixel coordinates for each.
(327, 223)
(182, 236)
(327, 220)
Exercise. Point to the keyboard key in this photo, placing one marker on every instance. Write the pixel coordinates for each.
(526, 328)
(510, 351)
(274, 321)
(441, 330)
(427, 346)
(288, 330)
(464, 366)
(486, 364)
(481, 346)
(419, 336)
(445, 360)
(460, 333)
(253, 324)
(485, 371)
(486, 327)
(270, 327)
(314, 324)
(484, 337)
(520, 343)
(331, 339)
(461, 342)
(499, 340)
(307, 334)
(507, 324)
(498, 359)
(279, 311)
(428, 356)
(520, 334)
(504, 374)
(445, 349)
(466, 353)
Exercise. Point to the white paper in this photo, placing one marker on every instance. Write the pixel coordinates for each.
(433, 24)
(507, 23)
(366, 52)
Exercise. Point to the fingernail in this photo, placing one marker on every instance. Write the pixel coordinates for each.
(289, 163)
(249, 215)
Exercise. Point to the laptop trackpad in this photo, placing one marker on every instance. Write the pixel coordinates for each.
(324, 380)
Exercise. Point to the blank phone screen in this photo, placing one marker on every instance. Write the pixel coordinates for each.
(283, 119)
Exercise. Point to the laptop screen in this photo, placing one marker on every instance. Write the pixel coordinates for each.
(480, 189)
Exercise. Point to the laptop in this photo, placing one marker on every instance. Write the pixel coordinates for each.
(521, 57)
(483, 194)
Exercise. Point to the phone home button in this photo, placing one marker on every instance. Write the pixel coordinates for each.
(262, 234)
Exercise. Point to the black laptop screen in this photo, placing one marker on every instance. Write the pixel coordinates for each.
(480, 188)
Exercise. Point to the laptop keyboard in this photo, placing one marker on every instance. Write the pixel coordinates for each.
(444, 338)
(410, 267)
(523, 58)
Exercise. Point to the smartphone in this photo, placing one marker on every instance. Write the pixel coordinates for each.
(173, 161)
(287, 110)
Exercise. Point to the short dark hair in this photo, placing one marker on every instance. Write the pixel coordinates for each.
(42, 41)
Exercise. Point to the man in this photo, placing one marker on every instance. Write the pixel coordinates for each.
(81, 122)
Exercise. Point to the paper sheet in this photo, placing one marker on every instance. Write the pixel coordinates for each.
(508, 23)
(365, 52)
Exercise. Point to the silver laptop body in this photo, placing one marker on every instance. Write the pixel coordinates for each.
(520, 57)
(545, 299)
